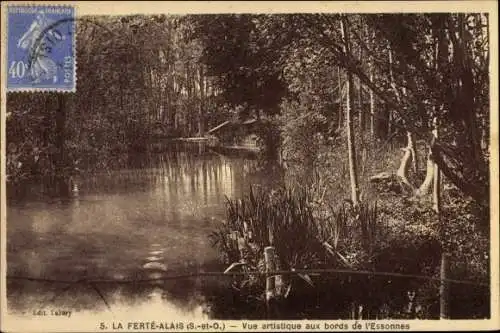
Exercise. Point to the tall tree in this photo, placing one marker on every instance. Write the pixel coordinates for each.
(351, 146)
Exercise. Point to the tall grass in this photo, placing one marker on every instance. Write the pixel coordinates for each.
(303, 234)
(368, 225)
(281, 218)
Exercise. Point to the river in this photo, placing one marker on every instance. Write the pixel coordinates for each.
(147, 220)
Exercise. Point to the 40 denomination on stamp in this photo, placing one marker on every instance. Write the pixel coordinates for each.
(41, 48)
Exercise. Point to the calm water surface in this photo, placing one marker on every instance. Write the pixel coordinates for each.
(148, 220)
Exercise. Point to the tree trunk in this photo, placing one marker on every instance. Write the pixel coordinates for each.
(414, 156)
(473, 184)
(396, 92)
(436, 193)
(351, 147)
(201, 127)
(372, 107)
(361, 112)
(436, 206)
(466, 78)
(408, 156)
(370, 74)
(361, 119)
(341, 109)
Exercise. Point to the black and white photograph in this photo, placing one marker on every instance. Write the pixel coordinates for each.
(223, 170)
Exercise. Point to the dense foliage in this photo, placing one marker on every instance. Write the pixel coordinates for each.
(419, 81)
(358, 110)
(139, 79)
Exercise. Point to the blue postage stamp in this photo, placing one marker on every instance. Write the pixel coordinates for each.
(41, 48)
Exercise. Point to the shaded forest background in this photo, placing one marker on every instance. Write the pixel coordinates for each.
(356, 107)
(139, 77)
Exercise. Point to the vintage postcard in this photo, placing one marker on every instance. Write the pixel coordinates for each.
(240, 166)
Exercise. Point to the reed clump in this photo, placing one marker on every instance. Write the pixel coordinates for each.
(305, 235)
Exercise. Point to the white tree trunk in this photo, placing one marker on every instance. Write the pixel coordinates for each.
(351, 147)
(372, 108)
(340, 110)
(408, 156)
(371, 94)
(436, 193)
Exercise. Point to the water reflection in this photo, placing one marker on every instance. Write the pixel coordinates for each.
(145, 221)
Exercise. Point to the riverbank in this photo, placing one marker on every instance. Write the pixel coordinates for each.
(395, 236)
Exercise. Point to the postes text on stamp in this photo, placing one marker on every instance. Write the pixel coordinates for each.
(41, 48)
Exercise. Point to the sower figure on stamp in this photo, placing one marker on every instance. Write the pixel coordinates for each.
(41, 66)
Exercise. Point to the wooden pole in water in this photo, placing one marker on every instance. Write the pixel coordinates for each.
(444, 293)
(444, 309)
(269, 259)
